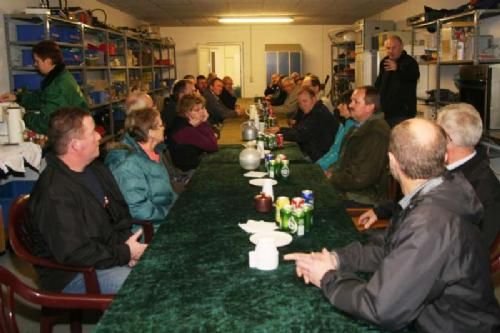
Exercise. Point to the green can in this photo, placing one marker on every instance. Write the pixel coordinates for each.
(296, 223)
(286, 214)
(308, 216)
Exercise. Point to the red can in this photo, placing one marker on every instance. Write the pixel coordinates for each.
(297, 202)
(279, 140)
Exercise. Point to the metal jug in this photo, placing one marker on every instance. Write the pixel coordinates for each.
(249, 131)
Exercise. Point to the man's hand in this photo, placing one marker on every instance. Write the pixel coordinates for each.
(7, 97)
(136, 248)
(238, 109)
(272, 130)
(390, 65)
(132, 263)
(328, 173)
(312, 267)
(368, 218)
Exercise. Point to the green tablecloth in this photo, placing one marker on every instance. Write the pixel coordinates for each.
(195, 276)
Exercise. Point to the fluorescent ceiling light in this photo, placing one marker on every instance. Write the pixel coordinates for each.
(255, 19)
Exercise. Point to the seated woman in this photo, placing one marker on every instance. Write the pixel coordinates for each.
(333, 154)
(191, 135)
(315, 131)
(137, 168)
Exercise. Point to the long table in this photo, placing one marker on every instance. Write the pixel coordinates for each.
(194, 277)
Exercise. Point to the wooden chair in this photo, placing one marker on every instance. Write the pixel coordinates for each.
(10, 285)
(495, 256)
(355, 213)
(22, 244)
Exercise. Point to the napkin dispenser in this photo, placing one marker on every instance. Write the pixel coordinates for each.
(11, 123)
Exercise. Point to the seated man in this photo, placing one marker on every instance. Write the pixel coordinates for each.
(169, 112)
(464, 127)
(290, 105)
(316, 130)
(138, 100)
(361, 170)
(430, 270)
(216, 110)
(227, 95)
(77, 213)
(201, 83)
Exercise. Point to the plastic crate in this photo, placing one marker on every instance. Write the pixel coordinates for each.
(78, 77)
(10, 191)
(27, 58)
(29, 32)
(27, 81)
(72, 57)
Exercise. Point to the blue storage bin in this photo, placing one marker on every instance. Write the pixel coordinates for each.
(27, 58)
(28, 81)
(69, 34)
(27, 33)
(72, 57)
(10, 191)
(99, 97)
(78, 77)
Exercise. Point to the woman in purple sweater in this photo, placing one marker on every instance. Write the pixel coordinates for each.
(191, 135)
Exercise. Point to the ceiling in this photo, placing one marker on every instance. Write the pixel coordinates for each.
(206, 12)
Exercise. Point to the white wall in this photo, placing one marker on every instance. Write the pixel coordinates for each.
(115, 17)
(313, 39)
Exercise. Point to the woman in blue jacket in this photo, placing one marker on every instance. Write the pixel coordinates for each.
(333, 153)
(136, 165)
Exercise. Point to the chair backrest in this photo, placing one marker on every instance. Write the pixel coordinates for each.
(19, 237)
(10, 285)
(495, 256)
(22, 244)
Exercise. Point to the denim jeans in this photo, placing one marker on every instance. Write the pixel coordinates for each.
(110, 280)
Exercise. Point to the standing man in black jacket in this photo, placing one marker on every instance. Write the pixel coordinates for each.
(431, 269)
(78, 215)
(397, 83)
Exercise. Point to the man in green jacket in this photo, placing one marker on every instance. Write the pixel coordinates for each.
(58, 88)
(361, 172)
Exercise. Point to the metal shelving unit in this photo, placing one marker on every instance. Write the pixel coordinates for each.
(111, 67)
(342, 68)
(470, 19)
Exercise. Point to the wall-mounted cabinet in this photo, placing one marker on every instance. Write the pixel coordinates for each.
(107, 64)
(343, 68)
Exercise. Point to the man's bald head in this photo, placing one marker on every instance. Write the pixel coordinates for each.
(419, 146)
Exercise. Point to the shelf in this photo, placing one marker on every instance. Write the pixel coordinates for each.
(118, 67)
(33, 43)
(96, 67)
(98, 106)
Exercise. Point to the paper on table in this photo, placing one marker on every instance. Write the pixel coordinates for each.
(255, 174)
(253, 226)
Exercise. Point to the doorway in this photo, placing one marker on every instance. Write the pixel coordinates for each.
(224, 59)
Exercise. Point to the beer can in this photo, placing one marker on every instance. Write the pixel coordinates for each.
(282, 157)
(285, 169)
(280, 203)
(286, 214)
(272, 141)
(296, 222)
(308, 196)
(271, 171)
(267, 158)
(271, 121)
(297, 202)
(308, 216)
(279, 140)
(277, 169)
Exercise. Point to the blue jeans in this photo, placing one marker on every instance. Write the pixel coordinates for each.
(110, 281)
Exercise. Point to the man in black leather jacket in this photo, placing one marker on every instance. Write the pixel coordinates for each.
(430, 271)
(77, 214)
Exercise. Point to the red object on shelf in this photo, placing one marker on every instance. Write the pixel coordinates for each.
(110, 48)
(100, 130)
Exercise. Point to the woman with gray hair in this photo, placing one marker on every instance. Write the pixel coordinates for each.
(136, 165)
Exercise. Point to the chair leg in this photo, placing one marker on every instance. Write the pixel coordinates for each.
(75, 321)
(47, 320)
